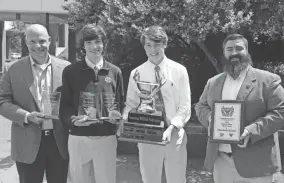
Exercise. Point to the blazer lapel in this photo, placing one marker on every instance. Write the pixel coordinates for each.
(218, 87)
(248, 84)
(56, 74)
(27, 74)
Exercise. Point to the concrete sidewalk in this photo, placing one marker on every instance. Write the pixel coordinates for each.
(127, 171)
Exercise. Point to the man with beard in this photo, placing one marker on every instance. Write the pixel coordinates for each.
(255, 159)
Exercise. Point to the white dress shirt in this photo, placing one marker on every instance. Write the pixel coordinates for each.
(230, 92)
(42, 75)
(175, 92)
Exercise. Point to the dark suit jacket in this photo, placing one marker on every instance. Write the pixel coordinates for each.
(17, 97)
(264, 112)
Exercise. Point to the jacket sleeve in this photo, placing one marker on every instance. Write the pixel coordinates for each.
(202, 109)
(184, 108)
(272, 121)
(119, 93)
(66, 105)
(8, 108)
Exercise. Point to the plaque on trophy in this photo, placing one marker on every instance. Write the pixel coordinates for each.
(145, 123)
(50, 101)
(227, 121)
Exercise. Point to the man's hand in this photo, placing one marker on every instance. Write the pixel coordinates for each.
(35, 117)
(114, 116)
(245, 137)
(82, 120)
(167, 135)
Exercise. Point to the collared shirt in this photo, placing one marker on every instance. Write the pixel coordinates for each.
(99, 65)
(42, 81)
(42, 76)
(175, 92)
(230, 92)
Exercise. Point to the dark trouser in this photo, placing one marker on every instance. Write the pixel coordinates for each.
(49, 160)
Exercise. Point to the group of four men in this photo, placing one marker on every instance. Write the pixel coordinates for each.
(50, 146)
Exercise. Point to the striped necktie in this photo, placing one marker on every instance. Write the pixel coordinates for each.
(160, 105)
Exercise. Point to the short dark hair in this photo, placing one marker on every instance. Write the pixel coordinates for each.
(235, 37)
(91, 32)
(155, 33)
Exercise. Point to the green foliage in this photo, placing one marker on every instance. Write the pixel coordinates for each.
(17, 29)
(274, 67)
(186, 21)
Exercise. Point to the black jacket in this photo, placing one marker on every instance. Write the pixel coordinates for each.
(75, 79)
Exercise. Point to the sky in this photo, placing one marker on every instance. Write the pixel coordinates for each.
(7, 25)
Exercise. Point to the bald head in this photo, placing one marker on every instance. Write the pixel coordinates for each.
(38, 41)
(36, 29)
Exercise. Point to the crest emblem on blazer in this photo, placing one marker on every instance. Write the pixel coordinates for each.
(108, 79)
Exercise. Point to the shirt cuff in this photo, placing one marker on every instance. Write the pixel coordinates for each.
(177, 122)
(26, 118)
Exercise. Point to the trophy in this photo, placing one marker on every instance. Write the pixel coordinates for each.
(50, 102)
(145, 123)
(98, 107)
(146, 92)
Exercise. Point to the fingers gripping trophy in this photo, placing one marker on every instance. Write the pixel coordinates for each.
(145, 123)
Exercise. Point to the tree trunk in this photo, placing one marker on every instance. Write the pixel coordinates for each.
(210, 57)
(72, 45)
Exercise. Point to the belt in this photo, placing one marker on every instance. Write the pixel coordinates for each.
(47, 132)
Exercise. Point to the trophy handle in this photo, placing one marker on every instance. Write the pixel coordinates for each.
(157, 89)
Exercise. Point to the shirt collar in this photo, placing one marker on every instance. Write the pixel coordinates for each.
(42, 66)
(161, 65)
(99, 65)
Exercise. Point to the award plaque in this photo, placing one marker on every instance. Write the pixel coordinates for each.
(145, 124)
(50, 102)
(227, 121)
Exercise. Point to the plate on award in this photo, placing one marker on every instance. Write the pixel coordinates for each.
(227, 121)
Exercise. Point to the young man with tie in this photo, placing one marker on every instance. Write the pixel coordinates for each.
(175, 104)
(92, 144)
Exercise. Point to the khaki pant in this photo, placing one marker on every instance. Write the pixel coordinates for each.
(92, 159)
(225, 172)
(173, 156)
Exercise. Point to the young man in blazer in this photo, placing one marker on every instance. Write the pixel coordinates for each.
(254, 160)
(38, 145)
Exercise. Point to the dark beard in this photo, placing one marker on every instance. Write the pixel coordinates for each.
(235, 68)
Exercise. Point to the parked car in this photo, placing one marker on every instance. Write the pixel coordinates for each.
(15, 55)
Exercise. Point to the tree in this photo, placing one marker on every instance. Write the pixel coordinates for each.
(17, 29)
(189, 20)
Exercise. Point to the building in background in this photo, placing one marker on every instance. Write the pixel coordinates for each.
(46, 12)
